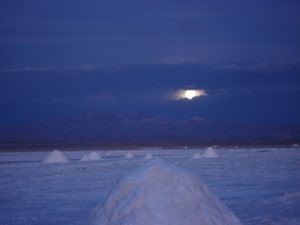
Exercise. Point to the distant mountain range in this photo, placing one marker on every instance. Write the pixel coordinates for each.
(144, 130)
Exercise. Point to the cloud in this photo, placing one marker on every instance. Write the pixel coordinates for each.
(24, 69)
(194, 121)
(256, 66)
(101, 97)
(49, 69)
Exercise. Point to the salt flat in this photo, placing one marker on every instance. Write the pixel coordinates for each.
(260, 185)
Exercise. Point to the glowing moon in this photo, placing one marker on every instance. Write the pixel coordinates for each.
(189, 94)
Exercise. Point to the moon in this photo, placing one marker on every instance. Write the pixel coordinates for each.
(190, 94)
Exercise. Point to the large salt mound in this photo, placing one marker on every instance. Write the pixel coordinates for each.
(161, 194)
(210, 153)
(56, 156)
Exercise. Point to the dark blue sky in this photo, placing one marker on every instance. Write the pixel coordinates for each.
(105, 60)
(109, 33)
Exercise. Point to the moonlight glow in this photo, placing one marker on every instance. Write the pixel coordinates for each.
(190, 94)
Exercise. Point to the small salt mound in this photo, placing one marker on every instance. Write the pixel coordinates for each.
(129, 155)
(85, 158)
(56, 156)
(93, 156)
(196, 155)
(148, 156)
(108, 153)
(210, 153)
(162, 194)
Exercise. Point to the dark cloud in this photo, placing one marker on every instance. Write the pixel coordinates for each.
(145, 88)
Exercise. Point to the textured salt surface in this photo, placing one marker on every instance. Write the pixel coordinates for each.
(160, 193)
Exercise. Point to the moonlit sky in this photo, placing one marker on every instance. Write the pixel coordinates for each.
(78, 69)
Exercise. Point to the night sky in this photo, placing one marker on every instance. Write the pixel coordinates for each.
(111, 71)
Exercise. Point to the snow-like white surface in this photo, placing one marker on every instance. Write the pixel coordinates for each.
(162, 194)
(210, 153)
(129, 155)
(248, 180)
(148, 156)
(56, 156)
(196, 155)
